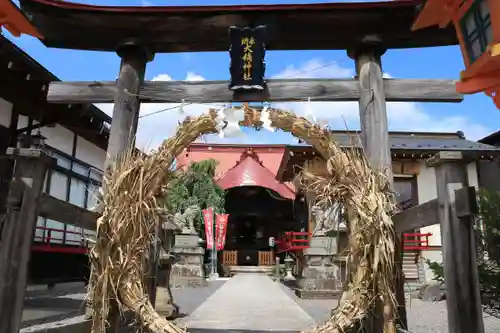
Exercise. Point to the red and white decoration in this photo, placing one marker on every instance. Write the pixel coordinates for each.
(208, 217)
(220, 229)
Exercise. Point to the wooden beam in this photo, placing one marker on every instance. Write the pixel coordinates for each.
(65, 212)
(417, 217)
(279, 90)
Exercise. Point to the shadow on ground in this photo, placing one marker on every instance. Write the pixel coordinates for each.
(44, 309)
(203, 330)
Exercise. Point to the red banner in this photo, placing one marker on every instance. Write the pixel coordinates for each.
(221, 228)
(208, 217)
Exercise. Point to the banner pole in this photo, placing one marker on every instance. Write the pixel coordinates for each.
(214, 245)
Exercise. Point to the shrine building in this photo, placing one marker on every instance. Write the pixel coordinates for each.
(263, 202)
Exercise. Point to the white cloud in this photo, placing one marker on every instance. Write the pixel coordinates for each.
(190, 76)
(340, 115)
(315, 68)
(402, 116)
(155, 128)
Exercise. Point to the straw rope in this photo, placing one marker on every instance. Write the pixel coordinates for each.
(130, 206)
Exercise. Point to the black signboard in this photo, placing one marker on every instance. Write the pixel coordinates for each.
(247, 52)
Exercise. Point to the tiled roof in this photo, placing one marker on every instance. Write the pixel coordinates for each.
(421, 141)
(492, 139)
(249, 172)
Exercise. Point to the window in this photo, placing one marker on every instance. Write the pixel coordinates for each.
(404, 192)
(54, 232)
(77, 192)
(476, 29)
(40, 230)
(73, 181)
(80, 169)
(58, 185)
(63, 161)
(92, 193)
(73, 235)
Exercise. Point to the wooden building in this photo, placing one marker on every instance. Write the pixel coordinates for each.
(414, 182)
(76, 135)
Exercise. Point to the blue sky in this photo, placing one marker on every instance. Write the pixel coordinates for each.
(476, 116)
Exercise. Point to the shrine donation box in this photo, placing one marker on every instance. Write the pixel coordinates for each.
(477, 25)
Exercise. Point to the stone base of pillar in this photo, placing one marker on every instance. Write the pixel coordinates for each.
(165, 305)
(320, 278)
(188, 271)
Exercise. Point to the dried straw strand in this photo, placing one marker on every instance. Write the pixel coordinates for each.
(120, 254)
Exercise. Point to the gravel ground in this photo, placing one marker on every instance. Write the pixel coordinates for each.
(429, 317)
(423, 317)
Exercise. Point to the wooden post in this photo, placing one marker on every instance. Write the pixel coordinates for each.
(134, 58)
(375, 137)
(127, 102)
(458, 243)
(16, 235)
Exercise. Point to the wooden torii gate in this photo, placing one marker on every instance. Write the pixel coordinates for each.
(365, 30)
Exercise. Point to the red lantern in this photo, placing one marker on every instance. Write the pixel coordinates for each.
(477, 24)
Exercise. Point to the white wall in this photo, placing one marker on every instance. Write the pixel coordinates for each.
(427, 190)
(89, 153)
(5, 112)
(62, 139)
(56, 136)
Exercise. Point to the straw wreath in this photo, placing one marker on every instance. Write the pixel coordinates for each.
(131, 205)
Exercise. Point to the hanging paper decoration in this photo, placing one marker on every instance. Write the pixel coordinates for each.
(181, 107)
(266, 120)
(247, 52)
(309, 112)
(232, 127)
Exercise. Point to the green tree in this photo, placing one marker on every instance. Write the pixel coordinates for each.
(195, 186)
(487, 231)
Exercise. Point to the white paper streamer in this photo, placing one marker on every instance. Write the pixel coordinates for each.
(309, 113)
(266, 121)
(180, 109)
(231, 120)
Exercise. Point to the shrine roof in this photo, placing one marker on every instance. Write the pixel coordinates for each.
(250, 171)
(321, 26)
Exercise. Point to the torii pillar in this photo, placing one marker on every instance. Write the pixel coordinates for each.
(134, 57)
(375, 137)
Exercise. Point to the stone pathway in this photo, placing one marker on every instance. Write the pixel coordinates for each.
(250, 302)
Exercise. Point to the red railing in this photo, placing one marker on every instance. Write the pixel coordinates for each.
(293, 241)
(416, 241)
(48, 242)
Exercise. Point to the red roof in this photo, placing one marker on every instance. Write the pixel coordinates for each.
(249, 171)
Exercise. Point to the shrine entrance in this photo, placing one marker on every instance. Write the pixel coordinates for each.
(256, 214)
(385, 25)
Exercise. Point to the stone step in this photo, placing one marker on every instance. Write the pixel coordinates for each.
(250, 302)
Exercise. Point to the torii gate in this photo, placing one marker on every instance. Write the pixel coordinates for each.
(365, 30)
